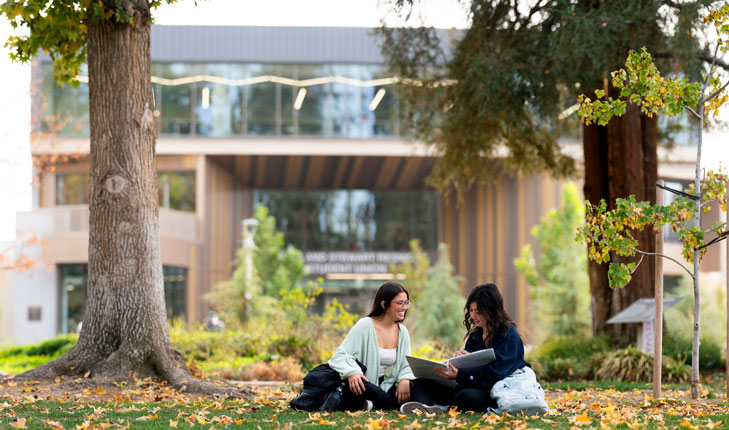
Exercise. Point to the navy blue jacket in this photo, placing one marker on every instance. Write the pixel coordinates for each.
(509, 351)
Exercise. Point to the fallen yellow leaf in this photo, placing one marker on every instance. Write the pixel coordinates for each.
(173, 423)
(19, 424)
(55, 425)
(414, 425)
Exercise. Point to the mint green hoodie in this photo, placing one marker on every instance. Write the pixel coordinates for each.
(361, 344)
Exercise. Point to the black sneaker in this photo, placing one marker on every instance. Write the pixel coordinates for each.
(417, 408)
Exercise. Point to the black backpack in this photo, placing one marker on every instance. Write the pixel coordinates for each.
(320, 384)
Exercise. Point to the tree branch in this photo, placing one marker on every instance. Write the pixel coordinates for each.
(657, 254)
(692, 111)
(716, 93)
(708, 75)
(715, 61)
(714, 229)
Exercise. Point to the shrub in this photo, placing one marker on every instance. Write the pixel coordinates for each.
(287, 369)
(675, 371)
(629, 364)
(679, 348)
(18, 359)
(580, 347)
(557, 277)
(567, 368)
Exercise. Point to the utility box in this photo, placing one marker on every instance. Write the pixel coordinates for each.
(643, 311)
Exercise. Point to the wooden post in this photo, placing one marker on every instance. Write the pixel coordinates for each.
(658, 321)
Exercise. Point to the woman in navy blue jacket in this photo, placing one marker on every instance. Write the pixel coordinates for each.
(487, 326)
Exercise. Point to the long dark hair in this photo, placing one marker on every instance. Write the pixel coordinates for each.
(387, 291)
(490, 305)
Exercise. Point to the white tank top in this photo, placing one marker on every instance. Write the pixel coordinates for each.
(387, 359)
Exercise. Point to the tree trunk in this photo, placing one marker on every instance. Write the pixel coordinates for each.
(125, 325)
(620, 160)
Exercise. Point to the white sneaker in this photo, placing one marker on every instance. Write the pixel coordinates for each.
(369, 406)
(417, 408)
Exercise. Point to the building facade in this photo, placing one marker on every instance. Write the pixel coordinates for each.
(302, 120)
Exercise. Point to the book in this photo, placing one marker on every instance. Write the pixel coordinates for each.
(425, 369)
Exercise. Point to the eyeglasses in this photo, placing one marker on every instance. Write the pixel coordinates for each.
(402, 303)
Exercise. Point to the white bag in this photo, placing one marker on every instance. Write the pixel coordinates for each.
(519, 392)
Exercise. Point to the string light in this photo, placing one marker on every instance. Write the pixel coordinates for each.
(211, 79)
(299, 98)
(377, 99)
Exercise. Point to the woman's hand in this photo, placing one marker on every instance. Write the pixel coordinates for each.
(461, 352)
(403, 391)
(356, 383)
(451, 373)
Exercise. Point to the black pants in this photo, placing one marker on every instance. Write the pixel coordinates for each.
(464, 398)
(379, 398)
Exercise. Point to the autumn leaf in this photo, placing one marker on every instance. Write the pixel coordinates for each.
(18, 424)
(712, 425)
(55, 425)
(414, 425)
(581, 420)
(173, 423)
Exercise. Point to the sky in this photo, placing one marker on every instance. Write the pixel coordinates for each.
(15, 165)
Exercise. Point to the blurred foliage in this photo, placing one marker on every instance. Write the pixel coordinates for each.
(559, 287)
(579, 358)
(437, 311)
(279, 268)
(18, 359)
(274, 282)
(569, 358)
(679, 325)
(441, 303)
(628, 364)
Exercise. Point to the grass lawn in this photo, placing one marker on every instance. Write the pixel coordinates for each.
(149, 406)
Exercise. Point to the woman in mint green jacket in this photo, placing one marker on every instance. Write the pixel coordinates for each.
(380, 342)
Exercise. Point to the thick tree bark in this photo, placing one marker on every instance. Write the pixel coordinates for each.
(621, 159)
(125, 326)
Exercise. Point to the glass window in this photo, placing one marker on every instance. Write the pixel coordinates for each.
(177, 190)
(175, 281)
(176, 104)
(72, 189)
(313, 116)
(287, 96)
(668, 197)
(383, 116)
(218, 106)
(73, 284)
(678, 130)
(354, 219)
(347, 103)
(261, 102)
(225, 109)
(73, 281)
(66, 109)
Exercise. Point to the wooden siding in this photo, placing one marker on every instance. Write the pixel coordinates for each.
(216, 223)
(487, 231)
(328, 172)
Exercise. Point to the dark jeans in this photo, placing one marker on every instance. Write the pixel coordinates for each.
(380, 399)
(464, 398)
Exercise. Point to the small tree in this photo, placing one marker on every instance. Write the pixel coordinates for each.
(557, 277)
(275, 278)
(612, 231)
(441, 302)
(437, 309)
(280, 267)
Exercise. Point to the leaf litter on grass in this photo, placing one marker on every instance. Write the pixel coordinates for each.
(154, 405)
